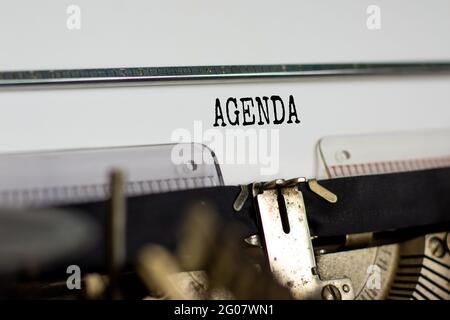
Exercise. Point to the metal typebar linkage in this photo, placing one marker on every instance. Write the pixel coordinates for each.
(288, 244)
(194, 74)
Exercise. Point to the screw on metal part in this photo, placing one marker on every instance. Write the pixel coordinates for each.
(330, 292)
(253, 241)
(190, 166)
(342, 155)
(273, 184)
(448, 242)
(437, 247)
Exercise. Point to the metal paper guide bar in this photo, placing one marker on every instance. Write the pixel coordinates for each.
(193, 74)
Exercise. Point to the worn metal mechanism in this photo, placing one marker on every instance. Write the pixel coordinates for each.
(287, 242)
(423, 271)
(207, 265)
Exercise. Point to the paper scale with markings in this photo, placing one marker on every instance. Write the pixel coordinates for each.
(76, 176)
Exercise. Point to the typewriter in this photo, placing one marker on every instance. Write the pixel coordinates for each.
(183, 176)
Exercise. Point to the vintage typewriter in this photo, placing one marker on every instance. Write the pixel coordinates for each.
(224, 150)
(131, 223)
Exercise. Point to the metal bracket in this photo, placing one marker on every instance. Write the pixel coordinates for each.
(290, 253)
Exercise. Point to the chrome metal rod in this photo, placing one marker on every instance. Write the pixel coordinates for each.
(195, 74)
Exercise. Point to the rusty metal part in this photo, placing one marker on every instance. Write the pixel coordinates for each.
(157, 268)
(95, 286)
(227, 271)
(407, 270)
(422, 274)
(321, 191)
(289, 252)
(437, 247)
(116, 223)
(358, 240)
(361, 266)
(448, 241)
(241, 198)
(330, 292)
